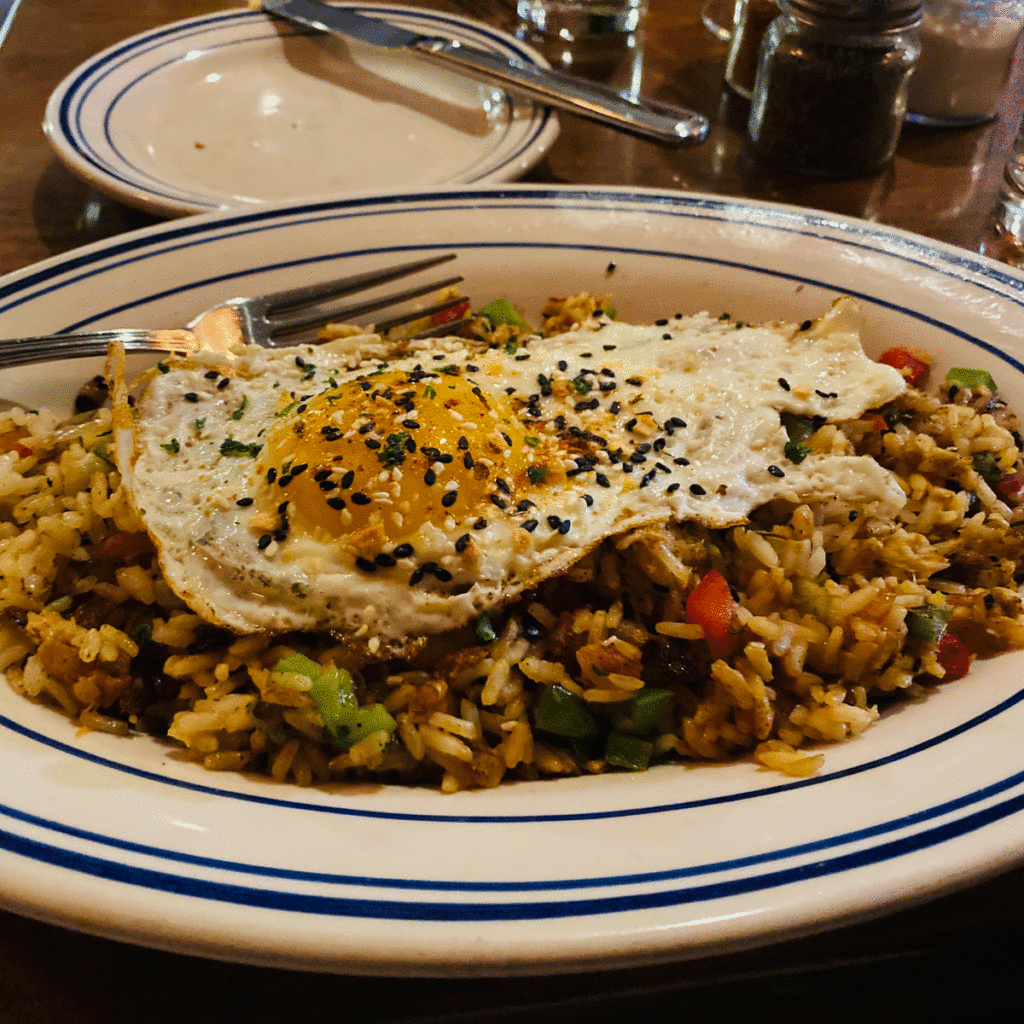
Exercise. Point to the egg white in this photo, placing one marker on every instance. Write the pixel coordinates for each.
(612, 427)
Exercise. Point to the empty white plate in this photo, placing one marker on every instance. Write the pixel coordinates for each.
(237, 108)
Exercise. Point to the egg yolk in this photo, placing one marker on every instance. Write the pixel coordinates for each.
(378, 457)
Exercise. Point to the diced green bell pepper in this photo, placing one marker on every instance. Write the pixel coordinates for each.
(628, 752)
(501, 311)
(928, 623)
(563, 713)
(965, 377)
(645, 708)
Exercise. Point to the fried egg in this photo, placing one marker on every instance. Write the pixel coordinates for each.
(388, 500)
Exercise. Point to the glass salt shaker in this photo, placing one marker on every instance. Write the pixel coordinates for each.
(830, 92)
(967, 49)
(750, 21)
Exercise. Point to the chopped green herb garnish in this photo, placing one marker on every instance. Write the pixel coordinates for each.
(987, 467)
(392, 452)
(537, 474)
(299, 590)
(429, 392)
(795, 452)
(511, 348)
(290, 407)
(645, 709)
(172, 447)
(163, 367)
(240, 411)
(532, 441)
(484, 629)
(199, 426)
(582, 383)
(233, 449)
(798, 428)
(142, 634)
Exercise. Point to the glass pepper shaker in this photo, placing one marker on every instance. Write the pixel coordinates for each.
(830, 92)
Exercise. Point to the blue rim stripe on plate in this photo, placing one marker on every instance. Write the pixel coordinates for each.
(81, 88)
(591, 882)
(338, 906)
(907, 249)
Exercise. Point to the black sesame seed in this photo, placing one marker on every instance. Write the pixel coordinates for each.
(372, 443)
(502, 486)
(659, 444)
(450, 498)
(348, 478)
(300, 468)
(302, 408)
(630, 424)
(806, 325)
(471, 368)
(264, 542)
(467, 461)
(853, 516)
(271, 475)
(383, 560)
(697, 489)
(321, 474)
(563, 365)
(367, 427)
(680, 461)
(508, 440)
(602, 480)
(588, 500)
(643, 448)
(677, 422)
(635, 381)
(223, 383)
(410, 424)
(462, 543)
(463, 444)
(336, 503)
(666, 337)
(442, 575)
(495, 500)
(430, 478)
(615, 408)
(191, 396)
(416, 577)
(244, 502)
(328, 485)
(627, 467)
(609, 348)
(359, 498)
(285, 480)
(648, 477)
(211, 374)
(480, 524)
(403, 551)
(565, 527)
(530, 525)
(554, 522)
(365, 564)
(784, 384)
(672, 488)
(775, 471)
(637, 458)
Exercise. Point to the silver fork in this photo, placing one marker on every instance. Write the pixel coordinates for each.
(265, 320)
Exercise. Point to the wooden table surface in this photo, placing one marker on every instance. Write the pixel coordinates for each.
(955, 955)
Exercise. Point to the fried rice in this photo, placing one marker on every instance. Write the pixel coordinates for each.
(833, 615)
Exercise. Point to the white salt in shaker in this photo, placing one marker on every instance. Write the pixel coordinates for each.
(967, 49)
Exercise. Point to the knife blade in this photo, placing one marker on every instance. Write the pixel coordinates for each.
(642, 117)
(8, 9)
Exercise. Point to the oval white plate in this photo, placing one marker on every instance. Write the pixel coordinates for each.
(117, 837)
(237, 108)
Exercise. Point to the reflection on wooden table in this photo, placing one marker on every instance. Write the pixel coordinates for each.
(943, 183)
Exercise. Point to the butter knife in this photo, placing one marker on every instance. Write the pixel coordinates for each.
(646, 118)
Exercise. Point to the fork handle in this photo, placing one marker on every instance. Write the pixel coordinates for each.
(49, 347)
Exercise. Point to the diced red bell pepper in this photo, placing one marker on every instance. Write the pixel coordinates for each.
(711, 606)
(912, 368)
(1012, 484)
(122, 546)
(877, 422)
(953, 656)
(449, 316)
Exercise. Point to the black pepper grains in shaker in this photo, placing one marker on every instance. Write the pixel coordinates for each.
(831, 87)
